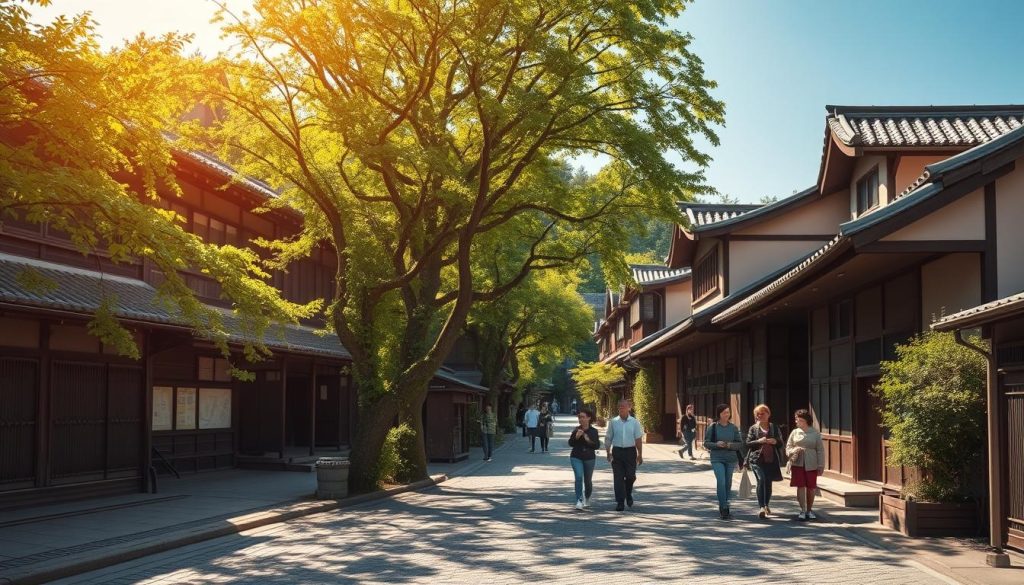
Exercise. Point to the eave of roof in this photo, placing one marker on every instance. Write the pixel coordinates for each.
(451, 378)
(655, 274)
(701, 215)
(81, 292)
(1011, 306)
(760, 213)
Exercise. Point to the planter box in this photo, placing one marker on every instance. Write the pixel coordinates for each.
(653, 438)
(928, 519)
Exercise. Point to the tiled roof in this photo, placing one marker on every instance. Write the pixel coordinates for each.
(227, 171)
(932, 126)
(981, 314)
(815, 258)
(82, 291)
(469, 379)
(705, 214)
(648, 274)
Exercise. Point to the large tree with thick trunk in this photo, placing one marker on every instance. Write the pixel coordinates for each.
(417, 136)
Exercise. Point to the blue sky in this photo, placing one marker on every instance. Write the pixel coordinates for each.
(777, 63)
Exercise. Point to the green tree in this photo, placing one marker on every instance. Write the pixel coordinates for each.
(418, 138)
(645, 400)
(83, 149)
(595, 382)
(933, 403)
(525, 334)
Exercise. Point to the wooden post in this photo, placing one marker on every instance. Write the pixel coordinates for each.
(147, 406)
(312, 407)
(43, 424)
(284, 403)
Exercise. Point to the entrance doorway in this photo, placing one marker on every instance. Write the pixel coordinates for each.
(870, 437)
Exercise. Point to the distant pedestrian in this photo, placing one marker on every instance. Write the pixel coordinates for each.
(689, 426)
(724, 441)
(544, 427)
(584, 441)
(554, 407)
(764, 454)
(806, 452)
(624, 440)
(488, 428)
(520, 413)
(530, 419)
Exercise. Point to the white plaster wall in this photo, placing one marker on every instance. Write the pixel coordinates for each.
(949, 285)
(911, 167)
(1010, 232)
(677, 302)
(863, 165)
(750, 261)
(964, 219)
(818, 217)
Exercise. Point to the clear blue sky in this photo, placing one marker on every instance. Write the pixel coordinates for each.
(778, 63)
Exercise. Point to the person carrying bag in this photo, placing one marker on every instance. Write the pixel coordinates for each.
(764, 456)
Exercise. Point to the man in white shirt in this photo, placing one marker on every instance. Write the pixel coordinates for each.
(531, 419)
(624, 440)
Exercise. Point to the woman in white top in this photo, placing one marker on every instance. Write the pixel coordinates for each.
(806, 452)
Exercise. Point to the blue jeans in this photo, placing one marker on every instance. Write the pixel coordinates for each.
(488, 441)
(688, 437)
(764, 483)
(584, 472)
(723, 480)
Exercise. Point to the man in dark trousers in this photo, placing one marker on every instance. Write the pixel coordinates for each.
(624, 440)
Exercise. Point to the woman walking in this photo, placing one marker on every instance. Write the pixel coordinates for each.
(764, 452)
(584, 441)
(725, 442)
(488, 428)
(689, 424)
(543, 423)
(806, 453)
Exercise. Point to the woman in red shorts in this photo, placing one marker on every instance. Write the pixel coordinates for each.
(806, 452)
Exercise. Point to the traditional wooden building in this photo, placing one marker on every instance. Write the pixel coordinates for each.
(76, 419)
(657, 295)
(796, 303)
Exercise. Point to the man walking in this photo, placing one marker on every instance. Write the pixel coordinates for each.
(625, 441)
(530, 420)
(488, 428)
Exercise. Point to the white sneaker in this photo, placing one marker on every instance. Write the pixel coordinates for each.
(811, 516)
(586, 502)
(579, 504)
(802, 516)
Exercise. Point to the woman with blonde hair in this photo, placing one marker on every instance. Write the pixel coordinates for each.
(806, 452)
(764, 452)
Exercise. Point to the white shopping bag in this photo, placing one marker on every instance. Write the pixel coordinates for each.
(745, 487)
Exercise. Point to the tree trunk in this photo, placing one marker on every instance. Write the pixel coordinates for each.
(412, 414)
(372, 426)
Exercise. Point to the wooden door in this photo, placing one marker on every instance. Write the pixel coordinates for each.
(870, 448)
(1014, 500)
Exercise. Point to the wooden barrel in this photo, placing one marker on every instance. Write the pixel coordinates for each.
(332, 478)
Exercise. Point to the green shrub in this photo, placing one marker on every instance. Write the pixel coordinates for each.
(507, 425)
(473, 416)
(395, 456)
(645, 400)
(933, 403)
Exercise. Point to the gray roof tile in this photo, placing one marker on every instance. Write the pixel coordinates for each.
(930, 126)
(649, 274)
(981, 314)
(704, 214)
(82, 291)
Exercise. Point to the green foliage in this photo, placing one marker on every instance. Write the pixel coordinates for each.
(393, 466)
(594, 381)
(645, 400)
(92, 160)
(933, 398)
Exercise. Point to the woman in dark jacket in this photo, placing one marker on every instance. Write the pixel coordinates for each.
(584, 441)
(764, 454)
(689, 427)
(542, 427)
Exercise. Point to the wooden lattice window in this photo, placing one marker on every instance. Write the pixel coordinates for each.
(705, 275)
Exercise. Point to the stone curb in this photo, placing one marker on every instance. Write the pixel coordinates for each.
(77, 564)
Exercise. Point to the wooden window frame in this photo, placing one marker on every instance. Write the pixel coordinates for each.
(707, 268)
(868, 205)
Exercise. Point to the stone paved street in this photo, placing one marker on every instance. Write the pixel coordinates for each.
(512, 521)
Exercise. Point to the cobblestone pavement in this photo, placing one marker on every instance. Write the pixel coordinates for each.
(512, 521)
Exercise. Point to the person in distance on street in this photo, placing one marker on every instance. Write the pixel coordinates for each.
(624, 440)
(543, 423)
(584, 441)
(488, 428)
(725, 443)
(530, 420)
(689, 424)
